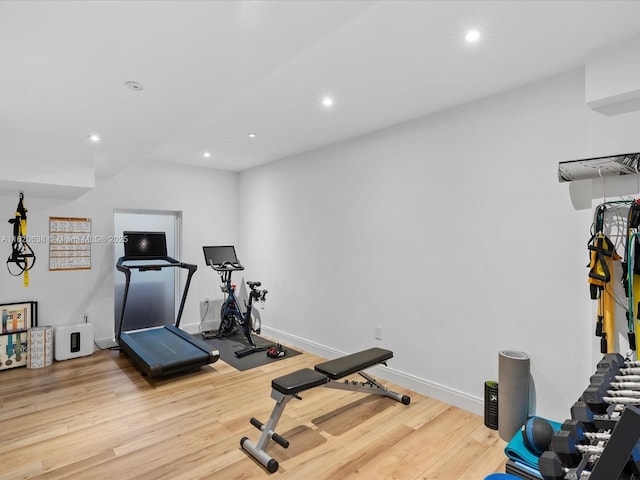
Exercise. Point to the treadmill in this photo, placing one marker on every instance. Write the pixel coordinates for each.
(165, 350)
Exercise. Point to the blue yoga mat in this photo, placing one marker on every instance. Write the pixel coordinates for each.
(517, 451)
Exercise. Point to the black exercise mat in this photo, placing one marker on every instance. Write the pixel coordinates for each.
(230, 344)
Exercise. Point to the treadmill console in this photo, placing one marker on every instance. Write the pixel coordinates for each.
(145, 245)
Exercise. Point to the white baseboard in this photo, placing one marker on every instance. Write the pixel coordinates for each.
(445, 394)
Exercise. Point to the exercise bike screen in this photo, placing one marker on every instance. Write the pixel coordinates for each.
(219, 255)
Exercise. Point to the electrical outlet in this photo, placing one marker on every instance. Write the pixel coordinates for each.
(210, 314)
(378, 333)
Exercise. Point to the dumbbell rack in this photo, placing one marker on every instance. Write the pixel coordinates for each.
(601, 441)
(618, 451)
(607, 456)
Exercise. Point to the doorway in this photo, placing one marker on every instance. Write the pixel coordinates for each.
(153, 294)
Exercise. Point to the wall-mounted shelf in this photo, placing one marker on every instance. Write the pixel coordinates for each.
(589, 168)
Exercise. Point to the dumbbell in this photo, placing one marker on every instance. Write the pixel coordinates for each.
(569, 442)
(594, 395)
(608, 371)
(581, 412)
(603, 386)
(613, 373)
(613, 360)
(591, 421)
(599, 400)
(576, 426)
(623, 383)
(582, 431)
(569, 446)
(621, 400)
(626, 378)
(614, 366)
(630, 381)
(551, 467)
(605, 377)
(565, 443)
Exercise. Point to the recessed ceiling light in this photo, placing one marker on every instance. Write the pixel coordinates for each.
(251, 135)
(327, 101)
(206, 155)
(94, 138)
(472, 36)
(134, 86)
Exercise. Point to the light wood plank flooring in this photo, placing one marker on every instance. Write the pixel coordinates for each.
(98, 417)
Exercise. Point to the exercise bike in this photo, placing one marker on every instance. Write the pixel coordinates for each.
(224, 261)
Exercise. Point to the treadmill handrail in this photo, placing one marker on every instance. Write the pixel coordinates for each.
(126, 269)
(171, 262)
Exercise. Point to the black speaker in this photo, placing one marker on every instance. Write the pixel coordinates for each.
(491, 405)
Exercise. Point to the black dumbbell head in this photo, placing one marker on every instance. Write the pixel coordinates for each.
(573, 426)
(550, 466)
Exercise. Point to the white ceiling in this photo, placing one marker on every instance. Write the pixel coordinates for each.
(214, 71)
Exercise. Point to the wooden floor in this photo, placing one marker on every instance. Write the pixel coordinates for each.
(98, 417)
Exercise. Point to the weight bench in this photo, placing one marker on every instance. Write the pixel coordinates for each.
(326, 374)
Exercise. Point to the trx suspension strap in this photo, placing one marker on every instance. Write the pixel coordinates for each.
(22, 256)
(633, 286)
(632, 271)
(602, 254)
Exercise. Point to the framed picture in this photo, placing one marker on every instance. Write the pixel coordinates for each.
(13, 350)
(18, 317)
(16, 320)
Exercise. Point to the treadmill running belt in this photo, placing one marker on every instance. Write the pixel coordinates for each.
(166, 350)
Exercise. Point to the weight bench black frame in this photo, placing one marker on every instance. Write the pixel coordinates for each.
(327, 375)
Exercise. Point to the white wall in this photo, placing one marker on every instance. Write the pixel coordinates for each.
(450, 232)
(206, 198)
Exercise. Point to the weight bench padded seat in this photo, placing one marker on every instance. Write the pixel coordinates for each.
(298, 381)
(306, 378)
(325, 374)
(343, 366)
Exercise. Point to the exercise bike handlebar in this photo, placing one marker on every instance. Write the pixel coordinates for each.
(225, 266)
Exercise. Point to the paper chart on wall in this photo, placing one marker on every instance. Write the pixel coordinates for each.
(69, 243)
